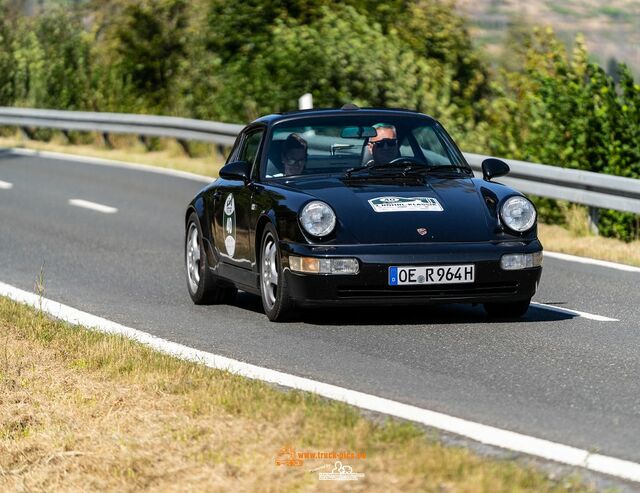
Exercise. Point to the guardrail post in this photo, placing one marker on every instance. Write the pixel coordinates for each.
(185, 146)
(144, 140)
(594, 218)
(67, 136)
(220, 148)
(106, 140)
(26, 133)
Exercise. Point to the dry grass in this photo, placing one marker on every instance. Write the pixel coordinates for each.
(577, 239)
(168, 154)
(559, 239)
(83, 411)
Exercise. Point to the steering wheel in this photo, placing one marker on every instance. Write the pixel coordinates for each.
(405, 160)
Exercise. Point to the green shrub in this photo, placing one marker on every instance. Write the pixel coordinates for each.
(565, 110)
(51, 56)
(7, 62)
(622, 225)
(340, 58)
(149, 42)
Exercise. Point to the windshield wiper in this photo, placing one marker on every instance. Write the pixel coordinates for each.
(380, 167)
(441, 168)
(404, 169)
(350, 171)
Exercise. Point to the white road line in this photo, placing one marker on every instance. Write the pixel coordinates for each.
(591, 261)
(85, 204)
(482, 433)
(5, 185)
(569, 311)
(113, 163)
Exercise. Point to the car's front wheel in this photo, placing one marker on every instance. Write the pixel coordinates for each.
(203, 286)
(276, 301)
(514, 309)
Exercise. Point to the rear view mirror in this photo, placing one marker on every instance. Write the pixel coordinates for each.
(237, 170)
(358, 132)
(492, 168)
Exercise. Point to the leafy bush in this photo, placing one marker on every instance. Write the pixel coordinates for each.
(149, 41)
(7, 62)
(340, 58)
(51, 61)
(565, 110)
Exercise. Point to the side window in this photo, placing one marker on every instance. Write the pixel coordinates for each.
(250, 147)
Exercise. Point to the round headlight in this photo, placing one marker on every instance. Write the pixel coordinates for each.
(317, 218)
(518, 214)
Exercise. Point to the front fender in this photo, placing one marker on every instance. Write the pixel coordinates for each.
(197, 205)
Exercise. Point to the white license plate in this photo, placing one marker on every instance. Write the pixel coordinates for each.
(434, 274)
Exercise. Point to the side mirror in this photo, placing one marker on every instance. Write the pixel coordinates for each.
(492, 168)
(237, 170)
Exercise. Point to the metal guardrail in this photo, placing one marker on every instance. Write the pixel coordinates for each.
(582, 187)
(123, 123)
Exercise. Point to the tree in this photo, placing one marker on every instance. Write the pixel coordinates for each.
(340, 58)
(430, 28)
(51, 53)
(563, 109)
(435, 32)
(7, 62)
(145, 44)
(236, 29)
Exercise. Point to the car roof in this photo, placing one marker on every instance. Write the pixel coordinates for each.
(347, 109)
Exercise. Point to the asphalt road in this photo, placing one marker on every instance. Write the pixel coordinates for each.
(551, 375)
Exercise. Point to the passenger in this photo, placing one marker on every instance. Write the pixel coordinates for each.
(383, 148)
(294, 155)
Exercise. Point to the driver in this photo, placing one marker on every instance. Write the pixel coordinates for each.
(383, 148)
(294, 154)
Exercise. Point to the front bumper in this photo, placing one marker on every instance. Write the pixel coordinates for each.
(370, 285)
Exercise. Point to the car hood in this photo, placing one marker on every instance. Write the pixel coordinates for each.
(440, 210)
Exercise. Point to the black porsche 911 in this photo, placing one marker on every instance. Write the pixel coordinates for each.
(359, 206)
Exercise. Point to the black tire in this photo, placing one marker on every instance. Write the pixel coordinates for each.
(514, 309)
(202, 285)
(276, 301)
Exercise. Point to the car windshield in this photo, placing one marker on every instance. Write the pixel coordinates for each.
(328, 145)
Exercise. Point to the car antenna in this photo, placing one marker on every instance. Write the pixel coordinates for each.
(350, 106)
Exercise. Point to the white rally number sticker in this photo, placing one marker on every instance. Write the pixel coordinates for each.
(435, 274)
(405, 204)
(229, 225)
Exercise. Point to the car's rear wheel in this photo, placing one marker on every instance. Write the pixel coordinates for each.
(203, 286)
(514, 309)
(276, 301)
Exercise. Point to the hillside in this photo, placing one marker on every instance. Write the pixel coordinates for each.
(611, 28)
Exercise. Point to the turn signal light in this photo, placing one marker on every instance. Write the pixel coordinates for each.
(518, 261)
(310, 265)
